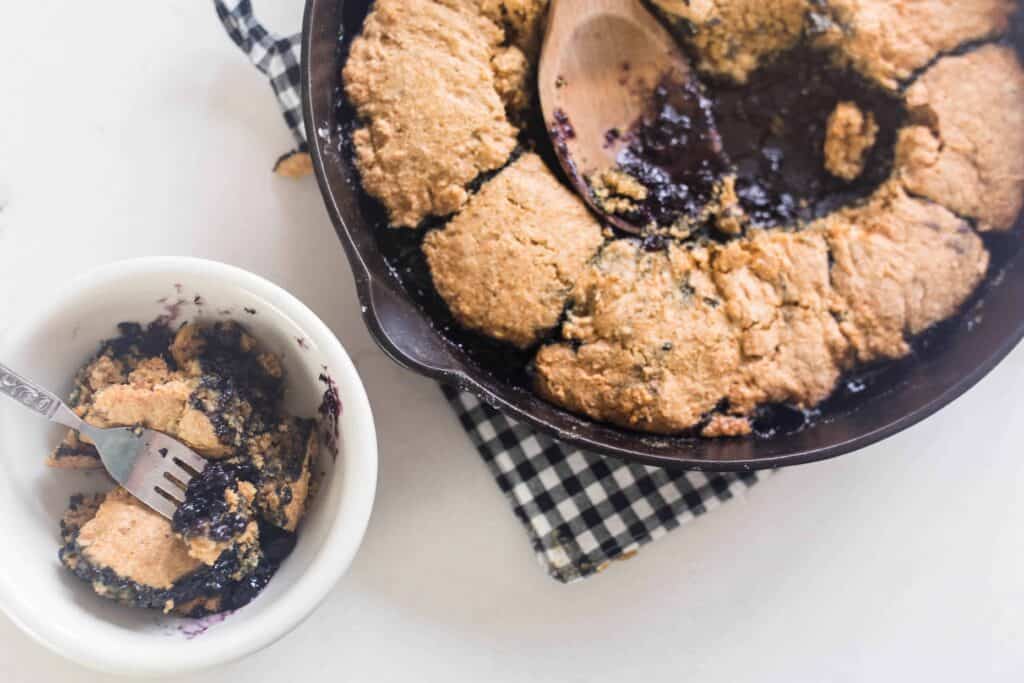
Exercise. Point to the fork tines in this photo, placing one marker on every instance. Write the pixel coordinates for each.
(162, 472)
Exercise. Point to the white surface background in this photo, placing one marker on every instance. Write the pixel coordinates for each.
(131, 129)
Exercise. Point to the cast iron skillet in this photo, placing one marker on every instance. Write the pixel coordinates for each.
(881, 402)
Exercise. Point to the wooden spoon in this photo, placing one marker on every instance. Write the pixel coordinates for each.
(601, 61)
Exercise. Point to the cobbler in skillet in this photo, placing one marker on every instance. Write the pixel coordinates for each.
(865, 150)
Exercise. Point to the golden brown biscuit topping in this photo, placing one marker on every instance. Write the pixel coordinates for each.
(664, 341)
(505, 265)
(135, 542)
(889, 40)
(733, 37)
(901, 264)
(421, 76)
(851, 135)
(963, 147)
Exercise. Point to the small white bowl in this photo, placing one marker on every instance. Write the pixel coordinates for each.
(62, 612)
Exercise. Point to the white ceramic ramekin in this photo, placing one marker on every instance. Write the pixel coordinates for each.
(63, 613)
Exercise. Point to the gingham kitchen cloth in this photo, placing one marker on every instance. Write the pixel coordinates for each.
(582, 511)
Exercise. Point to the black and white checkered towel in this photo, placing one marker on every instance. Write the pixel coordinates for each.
(582, 511)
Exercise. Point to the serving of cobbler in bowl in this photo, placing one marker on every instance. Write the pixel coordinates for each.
(830, 211)
(250, 379)
(212, 388)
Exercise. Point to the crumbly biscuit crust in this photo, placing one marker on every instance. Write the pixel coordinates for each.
(505, 265)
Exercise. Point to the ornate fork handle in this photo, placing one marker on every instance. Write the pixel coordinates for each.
(28, 394)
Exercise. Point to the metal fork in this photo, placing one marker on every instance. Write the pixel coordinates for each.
(155, 468)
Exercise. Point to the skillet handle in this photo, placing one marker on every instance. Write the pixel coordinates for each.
(405, 334)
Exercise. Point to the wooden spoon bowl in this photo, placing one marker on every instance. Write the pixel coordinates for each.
(600, 62)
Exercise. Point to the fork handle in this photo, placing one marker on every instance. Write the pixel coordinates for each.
(37, 398)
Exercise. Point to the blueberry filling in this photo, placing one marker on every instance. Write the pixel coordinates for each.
(774, 127)
(138, 342)
(769, 133)
(205, 511)
(234, 385)
(675, 152)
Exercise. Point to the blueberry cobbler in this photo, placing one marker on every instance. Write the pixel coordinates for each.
(826, 188)
(210, 387)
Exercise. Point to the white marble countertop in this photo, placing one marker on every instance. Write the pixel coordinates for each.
(133, 129)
